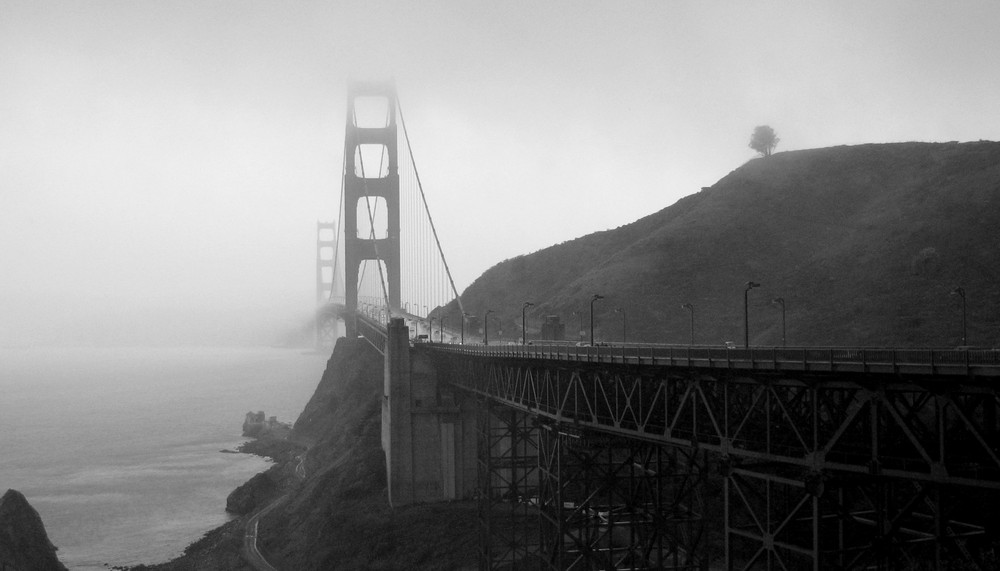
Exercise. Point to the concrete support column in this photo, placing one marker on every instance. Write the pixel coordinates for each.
(428, 436)
(397, 433)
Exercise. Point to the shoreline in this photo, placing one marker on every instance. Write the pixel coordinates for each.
(222, 547)
(330, 476)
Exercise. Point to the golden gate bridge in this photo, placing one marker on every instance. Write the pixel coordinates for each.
(645, 456)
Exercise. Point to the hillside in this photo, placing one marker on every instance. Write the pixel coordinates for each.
(864, 243)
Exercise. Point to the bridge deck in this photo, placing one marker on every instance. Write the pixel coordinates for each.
(946, 362)
(918, 414)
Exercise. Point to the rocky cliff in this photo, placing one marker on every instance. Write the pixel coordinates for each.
(24, 544)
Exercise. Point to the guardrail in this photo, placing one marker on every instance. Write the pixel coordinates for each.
(928, 361)
(373, 331)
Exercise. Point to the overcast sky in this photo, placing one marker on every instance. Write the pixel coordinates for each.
(163, 164)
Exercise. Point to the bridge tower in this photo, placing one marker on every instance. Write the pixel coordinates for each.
(326, 284)
(364, 184)
(326, 254)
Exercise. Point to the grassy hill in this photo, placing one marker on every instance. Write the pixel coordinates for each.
(864, 243)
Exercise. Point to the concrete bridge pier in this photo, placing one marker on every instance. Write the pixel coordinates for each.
(429, 438)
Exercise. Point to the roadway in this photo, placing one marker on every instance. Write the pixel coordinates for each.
(919, 361)
(251, 551)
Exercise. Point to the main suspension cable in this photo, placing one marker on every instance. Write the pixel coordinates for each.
(341, 212)
(423, 198)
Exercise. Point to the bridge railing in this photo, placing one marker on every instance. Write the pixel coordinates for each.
(847, 359)
(372, 329)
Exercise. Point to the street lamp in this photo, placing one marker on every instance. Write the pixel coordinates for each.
(621, 310)
(524, 331)
(592, 300)
(486, 327)
(746, 314)
(960, 291)
(781, 301)
(690, 308)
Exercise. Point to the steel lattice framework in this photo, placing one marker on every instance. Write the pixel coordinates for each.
(553, 498)
(508, 486)
(614, 503)
(844, 470)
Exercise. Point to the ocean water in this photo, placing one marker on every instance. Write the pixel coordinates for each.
(119, 449)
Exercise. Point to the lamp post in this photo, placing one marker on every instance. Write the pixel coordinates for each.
(781, 301)
(621, 310)
(690, 308)
(524, 331)
(486, 327)
(592, 300)
(960, 291)
(746, 314)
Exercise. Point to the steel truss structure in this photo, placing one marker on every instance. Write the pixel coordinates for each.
(508, 488)
(608, 502)
(783, 521)
(552, 497)
(823, 470)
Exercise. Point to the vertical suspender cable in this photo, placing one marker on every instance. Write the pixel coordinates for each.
(424, 200)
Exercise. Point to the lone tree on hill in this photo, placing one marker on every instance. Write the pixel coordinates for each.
(764, 140)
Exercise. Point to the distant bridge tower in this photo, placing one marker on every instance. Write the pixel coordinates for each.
(371, 171)
(327, 294)
(326, 260)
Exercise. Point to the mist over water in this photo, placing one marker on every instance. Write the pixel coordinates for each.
(119, 449)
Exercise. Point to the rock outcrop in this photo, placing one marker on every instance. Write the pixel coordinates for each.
(23, 541)
(256, 425)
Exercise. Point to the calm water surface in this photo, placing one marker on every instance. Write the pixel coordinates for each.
(118, 449)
